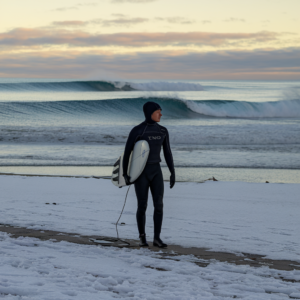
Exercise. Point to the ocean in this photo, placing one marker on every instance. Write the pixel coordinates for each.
(232, 130)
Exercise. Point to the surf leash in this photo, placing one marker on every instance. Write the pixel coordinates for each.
(121, 216)
(107, 241)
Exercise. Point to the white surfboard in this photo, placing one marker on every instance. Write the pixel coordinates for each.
(137, 163)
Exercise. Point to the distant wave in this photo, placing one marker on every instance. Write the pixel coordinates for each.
(172, 108)
(100, 86)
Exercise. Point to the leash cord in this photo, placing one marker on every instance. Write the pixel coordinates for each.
(121, 216)
(113, 240)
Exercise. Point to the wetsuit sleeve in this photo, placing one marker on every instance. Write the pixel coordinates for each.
(128, 148)
(167, 153)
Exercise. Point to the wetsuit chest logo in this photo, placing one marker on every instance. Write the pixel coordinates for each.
(154, 137)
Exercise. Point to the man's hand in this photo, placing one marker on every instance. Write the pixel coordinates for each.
(172, 179)
(127, 179)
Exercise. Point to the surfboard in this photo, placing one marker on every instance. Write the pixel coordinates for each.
(137, 162)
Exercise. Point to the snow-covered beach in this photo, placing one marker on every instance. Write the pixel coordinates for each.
(222, 216)
(34, 269)
(256, 218)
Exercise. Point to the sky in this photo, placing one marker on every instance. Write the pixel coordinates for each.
(150, 39)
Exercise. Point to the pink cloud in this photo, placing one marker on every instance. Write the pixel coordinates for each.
(41, 36)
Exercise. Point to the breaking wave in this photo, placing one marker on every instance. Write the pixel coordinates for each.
(243, 109)
(172, 108)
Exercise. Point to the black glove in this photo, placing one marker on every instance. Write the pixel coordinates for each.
(172, 179)
(127, 179)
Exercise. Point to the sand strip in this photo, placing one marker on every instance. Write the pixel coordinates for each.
(253, 260)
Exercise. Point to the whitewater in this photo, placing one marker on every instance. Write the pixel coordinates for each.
(229, 127)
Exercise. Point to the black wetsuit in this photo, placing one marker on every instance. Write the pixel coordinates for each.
(157, 136)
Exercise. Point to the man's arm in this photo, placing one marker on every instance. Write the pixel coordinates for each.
(169, 158)
(168, 153)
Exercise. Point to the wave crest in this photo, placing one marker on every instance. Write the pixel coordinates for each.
(243, 109)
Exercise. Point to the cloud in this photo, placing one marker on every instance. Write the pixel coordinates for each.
(132, 1)
(118, 15)
(88, 4)
(69, 23)
(121, 21)
(256, 64)
(28, 37)
(176, 20)
(77, 6)
(61, 9)
(234, 20)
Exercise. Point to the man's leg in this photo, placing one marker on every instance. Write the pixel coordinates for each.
(157, 191)
(141, 189)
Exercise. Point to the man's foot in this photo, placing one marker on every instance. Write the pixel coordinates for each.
(157, 242)
(143, 241)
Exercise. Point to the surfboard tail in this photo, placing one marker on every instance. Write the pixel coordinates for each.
(137, 162)
(115, 178)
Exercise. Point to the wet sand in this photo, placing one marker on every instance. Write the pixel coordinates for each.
(205, 255)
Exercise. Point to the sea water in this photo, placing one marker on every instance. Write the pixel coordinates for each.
(232, 130)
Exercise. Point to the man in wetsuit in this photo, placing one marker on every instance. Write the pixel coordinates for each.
(157, 136)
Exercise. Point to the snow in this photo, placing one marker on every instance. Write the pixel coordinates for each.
(256, 218)
(35, 269)
(227, 216)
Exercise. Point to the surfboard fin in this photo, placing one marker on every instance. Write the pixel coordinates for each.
(116, 171)
(117, 163)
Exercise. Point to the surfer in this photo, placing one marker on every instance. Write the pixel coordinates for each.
(157, 136)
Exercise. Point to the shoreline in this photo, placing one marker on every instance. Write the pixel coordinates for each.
(183, 174)
(87, 177)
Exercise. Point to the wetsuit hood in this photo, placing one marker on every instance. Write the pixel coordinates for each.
(149, 108)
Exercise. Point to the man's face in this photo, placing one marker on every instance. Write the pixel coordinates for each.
(156, 115)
